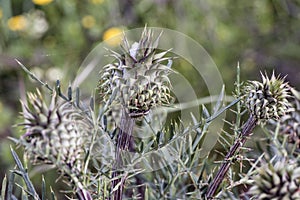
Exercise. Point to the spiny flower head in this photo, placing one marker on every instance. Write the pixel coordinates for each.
(289, 124)
(276, 181)
(139, 78)
(55, 134)
(267, 99)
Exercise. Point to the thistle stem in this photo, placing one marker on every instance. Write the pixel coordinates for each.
(240, 141)
(123, 144)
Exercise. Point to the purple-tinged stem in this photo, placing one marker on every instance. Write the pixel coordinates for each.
(123, 144)
(247, 130)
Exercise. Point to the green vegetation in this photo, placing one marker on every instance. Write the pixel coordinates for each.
(145, 122)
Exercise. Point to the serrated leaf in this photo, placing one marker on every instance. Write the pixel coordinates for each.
(195, 121)
(53, 197)
(146, 193)
(10, 185)
(24, 195)
(77, 97)
(33, 76)
(92, 103)
(43, 188)
(23, 172)
(160, 55)
(220, 100)
(148, 146)
(221, 111)
(205, 112)
(69, 93)
(155, 43)
(4, 184)
(117, 186)
(105, 122)
(202, 170)
(295, 93)
(58, 90)
(13, 139)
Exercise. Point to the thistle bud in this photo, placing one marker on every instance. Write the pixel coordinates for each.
(267, 99)
(278, 181)
(139, 77)
(289, 124)
(55, 133)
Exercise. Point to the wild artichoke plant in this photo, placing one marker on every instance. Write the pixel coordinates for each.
(276, 181)
(264, 100)
(55, 134)
(138, 81)
(70, 137)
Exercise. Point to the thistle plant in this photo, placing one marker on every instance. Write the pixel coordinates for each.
(278, 179)
(139, 81)
(93, 148)
(289, 125)
(264, 100)
(56, 134)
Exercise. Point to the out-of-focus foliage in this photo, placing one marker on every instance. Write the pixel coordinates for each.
(54, 37)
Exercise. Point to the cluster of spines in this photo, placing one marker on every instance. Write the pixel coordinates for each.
(54, 134)
(276, 181)
(139, 77)
(267, 99)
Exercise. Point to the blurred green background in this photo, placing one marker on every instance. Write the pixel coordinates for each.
(52, 38)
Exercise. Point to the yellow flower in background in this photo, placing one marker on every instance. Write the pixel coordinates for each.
(96, 1)
(1, 13)
(17, 23)
(41, 2)
(88, 21)
(113, 36)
